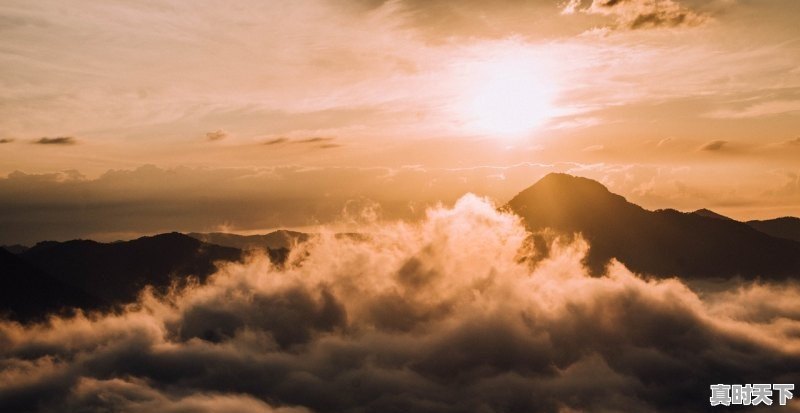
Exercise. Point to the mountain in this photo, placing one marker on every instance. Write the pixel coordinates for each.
(276, 244)
(15, 249)
(116, 272)
(786, 227)
(27, 293)
(661, 243)
(710, 214)
(274, 240)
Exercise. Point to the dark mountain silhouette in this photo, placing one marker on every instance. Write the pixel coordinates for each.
(116, 272)
(15, 249)
(662, 242)
(786, 227)
(276, 244)
(710, 214)
(27, 293)
(274, 240)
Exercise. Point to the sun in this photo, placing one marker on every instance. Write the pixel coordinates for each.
(507, 95)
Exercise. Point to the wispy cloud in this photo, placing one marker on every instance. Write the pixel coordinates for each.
(216, 135)
(58, 140)
(768, 108)
(276, 141)
(640, 14)
(717, 145)
(324, 142)
(793, 142)
(313, 139)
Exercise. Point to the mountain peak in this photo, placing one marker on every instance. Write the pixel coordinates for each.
(569, 200)
(703, 212)
(663, 242)
(565, 185)
(559, 179)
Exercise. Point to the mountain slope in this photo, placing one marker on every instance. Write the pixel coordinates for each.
(15, 249)
(710, 214)
(116, 272)
(785, 227)
(662, 243)
(273, 241)
(27, 293)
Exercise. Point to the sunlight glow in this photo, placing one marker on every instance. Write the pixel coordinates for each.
(509, 95)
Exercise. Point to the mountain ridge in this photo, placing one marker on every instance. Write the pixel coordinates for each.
(663, 243)
(51, 276)
(782, 227)
(116, 272)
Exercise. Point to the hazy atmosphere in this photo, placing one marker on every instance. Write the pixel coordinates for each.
(673, 103)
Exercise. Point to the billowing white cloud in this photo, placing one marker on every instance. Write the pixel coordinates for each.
(455, 313)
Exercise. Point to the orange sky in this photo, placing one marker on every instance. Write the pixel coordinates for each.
(672, 103)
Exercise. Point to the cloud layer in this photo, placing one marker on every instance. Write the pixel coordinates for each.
(641, 14)
(453, 314)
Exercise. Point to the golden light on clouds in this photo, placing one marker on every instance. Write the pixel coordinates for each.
(426, 206)
(435, 85)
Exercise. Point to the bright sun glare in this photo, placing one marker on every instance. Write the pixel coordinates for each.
(509, 96)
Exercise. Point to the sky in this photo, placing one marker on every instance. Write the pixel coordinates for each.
(121, 118)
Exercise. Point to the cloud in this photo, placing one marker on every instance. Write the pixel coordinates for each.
(276, 141)
(594, 148)
(766, 108)
(6, 140)
(450, 314)
(717, 145)
(59, 140)
(439, 20)
(323, 142)
(135, 396)
(309, 140)
(640, 14)
(217, 135)
(313, 139)
(792, 142)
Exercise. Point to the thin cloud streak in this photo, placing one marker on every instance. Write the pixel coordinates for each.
(714, 146)
(59, 140)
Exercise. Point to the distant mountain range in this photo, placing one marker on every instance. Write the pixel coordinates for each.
(116, 272)
(785, 227)
(92, 275)
(276, 240)
(51, 276)
(28, 293)
(664, 243)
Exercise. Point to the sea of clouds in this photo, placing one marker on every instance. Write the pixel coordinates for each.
(456, 313)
